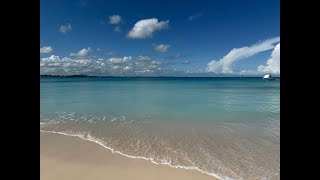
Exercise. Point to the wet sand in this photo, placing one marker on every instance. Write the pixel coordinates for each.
(67, 158)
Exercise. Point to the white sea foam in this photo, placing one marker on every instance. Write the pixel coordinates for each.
(167, 162)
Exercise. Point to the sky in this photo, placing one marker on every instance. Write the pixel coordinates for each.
(159, 38)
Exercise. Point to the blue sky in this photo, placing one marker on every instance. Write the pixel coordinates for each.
(195, 32)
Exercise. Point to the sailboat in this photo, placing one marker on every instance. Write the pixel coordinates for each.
(268, 77)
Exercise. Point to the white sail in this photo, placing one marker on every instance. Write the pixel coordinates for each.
(267, 76)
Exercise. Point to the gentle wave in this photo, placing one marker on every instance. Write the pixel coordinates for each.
(90, 138)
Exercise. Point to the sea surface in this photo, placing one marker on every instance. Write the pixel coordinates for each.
(226, 127)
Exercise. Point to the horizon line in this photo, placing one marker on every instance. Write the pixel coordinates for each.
(105, 76)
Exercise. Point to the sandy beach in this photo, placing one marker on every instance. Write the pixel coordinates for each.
(64, 157)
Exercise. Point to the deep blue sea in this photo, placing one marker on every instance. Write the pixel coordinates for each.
(226, 127)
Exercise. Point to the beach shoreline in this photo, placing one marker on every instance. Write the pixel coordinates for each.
(67, 157)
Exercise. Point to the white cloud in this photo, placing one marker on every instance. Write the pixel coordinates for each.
(161, 47)
(115, 19)
(64, 29)
(120, 66)
(194, 16)
(146, 27)
(120, 60)
(144, 58)
(224, 65)
(46, 49)
(273, 63)
(83, 53)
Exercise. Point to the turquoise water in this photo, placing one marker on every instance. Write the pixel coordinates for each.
(233, 124)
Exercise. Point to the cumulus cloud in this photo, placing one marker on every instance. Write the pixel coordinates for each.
(144, 58)
(120, 66)
(145, 28)
(123, 60)
(83, 53)
(194, 16)
(64, 29)
(115, 19)
(161, 47)
(273, 63)
(46, 49)
(224, 65)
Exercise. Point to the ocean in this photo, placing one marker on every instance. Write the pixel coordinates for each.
(225, 127)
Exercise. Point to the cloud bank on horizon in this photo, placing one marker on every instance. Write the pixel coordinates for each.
(123, 66)
(82, 63)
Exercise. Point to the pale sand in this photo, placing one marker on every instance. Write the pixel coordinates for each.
(67, 158)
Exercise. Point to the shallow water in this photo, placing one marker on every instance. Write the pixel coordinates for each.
(229, 127)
